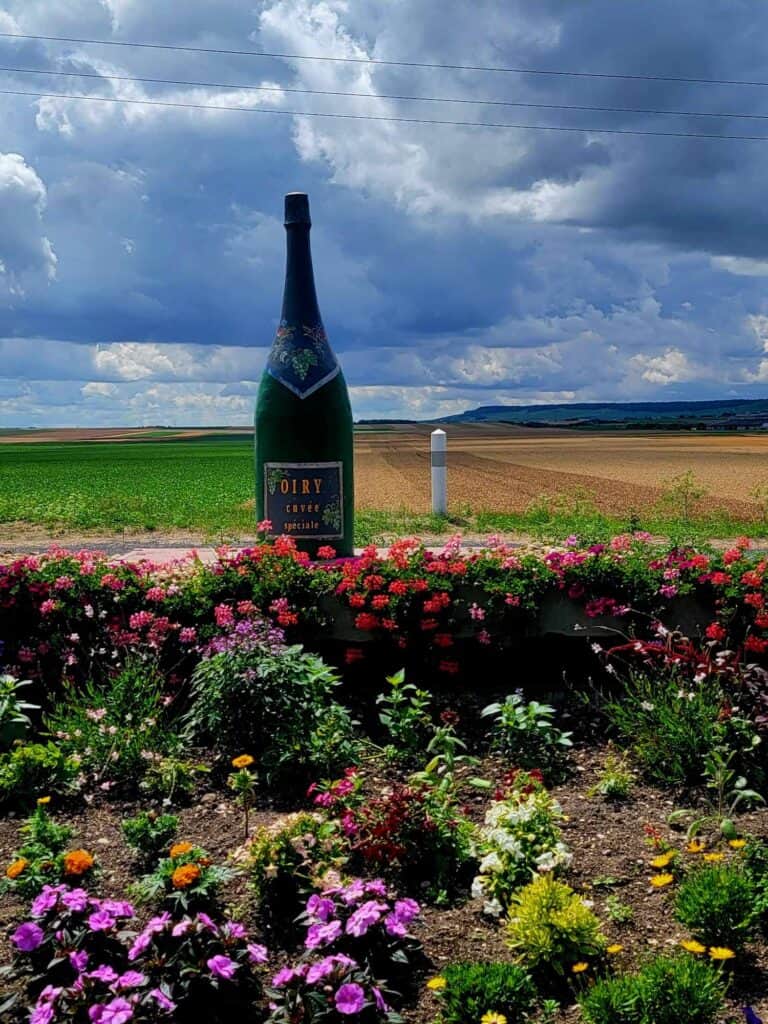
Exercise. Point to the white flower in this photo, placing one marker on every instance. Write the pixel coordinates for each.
(478, 888)
(493, 908)
(647, 706)
(546, 861)
(491, 864)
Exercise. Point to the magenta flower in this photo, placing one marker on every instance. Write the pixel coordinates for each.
(222, 967)
(75, 899)
(42, 1014)
(104, 973)
(234, 930)
(27, 937)
(378, 998)
(47, 899)
(320, 908)
(350, 999)
(131, 979)
(79, 960)
(118, 908)
(283, 977)
(101, 921)
(365, 917)
(322, 934)
(118, 1011)
(162, 1000)
(257, 954)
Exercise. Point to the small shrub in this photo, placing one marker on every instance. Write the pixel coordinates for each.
(667, 990)
(520, 838)
(717, 904)
(615, 780)
(15, 723)
(37, 861)
(551, 928)
(172, 779)
(186, 880)
(405, 716)
(669, 723)
(473, 990)
(35, 768)
(525, 733)
(114, 728)
(618, 912)
(277, 702)
(289, 859)
(149, 834)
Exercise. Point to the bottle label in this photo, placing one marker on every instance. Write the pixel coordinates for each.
(304, 499)
(301, 358)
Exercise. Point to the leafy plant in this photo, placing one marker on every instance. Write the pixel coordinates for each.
(243, 783)
(276, 702)
(187, 880)
(114, 727)
(37, 861)
(473, 990)
(729, 791)
(149, 834)
(680, 495)
(331, 991)
(440, 773)
(520, 838)
(14, 722)
(172, 778)
(35, 768)
(667, 990)
(670, 724)
(551, 928)
(618, 912)
(717, 903)
(616, 778)
(526, 734)
(404, 715)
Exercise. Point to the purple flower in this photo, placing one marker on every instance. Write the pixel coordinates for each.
(101, 921)
(322, 934)
(350, 998)
(104, 973)
(27, 936)
(364, 917)
(283, 977)
(140, 944)
(131, 979)
(750, 1016)
(181, 928)
(50, 994)
(158, 923)
(378, 888)
(118, 1011)
(75, 899)
(42, 1014)
(354, 892)
(79, 960)
(234, 930)
(395, 925)
(320, 908)
(320, 970)
(118, 908)
(407, 909)
(206, 922)
(162, 1000)
(222, 967)
(378, 998)
(47, 899)
(257, 954)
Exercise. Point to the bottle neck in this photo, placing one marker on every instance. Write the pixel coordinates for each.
(299, 295)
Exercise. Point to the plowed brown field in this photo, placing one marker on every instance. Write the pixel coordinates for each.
(503, 470)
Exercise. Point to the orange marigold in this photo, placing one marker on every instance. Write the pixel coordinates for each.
(243, 761)
(185, 876)
(77, 862)
(16, 868)
(179, 849)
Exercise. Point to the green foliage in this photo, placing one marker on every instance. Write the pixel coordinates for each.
(36, 862)
(551, 928)
(288, 860)
(728, 791)
(278, 704)
(171, 778)
(616, 911)
(14, 722)
(520, 838)
(667, 990)
(116, 727)
(680, 496)
(34, 769)
(615, 780)
(149, 834)
(717, 904)
(186, 881)
(669, 726)
(526, 734)
(472, 990)
(404, 715)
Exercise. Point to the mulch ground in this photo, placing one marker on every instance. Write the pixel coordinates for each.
(608, 841)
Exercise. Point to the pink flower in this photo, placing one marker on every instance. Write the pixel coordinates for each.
(162, 1000)
(322, 934)
(265, 526)
(476, 612)
(224, 615)
(222, 967)
(27, 937)
(350, 999)
(155, 594)
(48, 607)
(257, 954)
(188, 635)
(118, 1011)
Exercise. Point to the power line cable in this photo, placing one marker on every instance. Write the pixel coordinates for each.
(377, 117)
(375, 60)
(382, 96)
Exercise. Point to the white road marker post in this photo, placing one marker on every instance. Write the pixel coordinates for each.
(439, 463)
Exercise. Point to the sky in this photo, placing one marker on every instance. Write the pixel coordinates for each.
(142, 247)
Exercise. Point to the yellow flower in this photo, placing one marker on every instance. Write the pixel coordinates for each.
(663, 859)
(614, 949)
(712, 858)
(436, 984)
(582, 965)
(493, 1018)
(43, 800)
(179, 849)
(721, 953)
(695, 846)
(244, 761)
(659, 881)
(737, 844)
(16, 868)
(693, 946)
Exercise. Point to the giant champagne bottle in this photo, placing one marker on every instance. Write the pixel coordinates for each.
(304, 467)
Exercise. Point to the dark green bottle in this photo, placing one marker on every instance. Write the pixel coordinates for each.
(304, 461)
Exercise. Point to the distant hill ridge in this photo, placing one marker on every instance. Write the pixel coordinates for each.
(746, 409)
